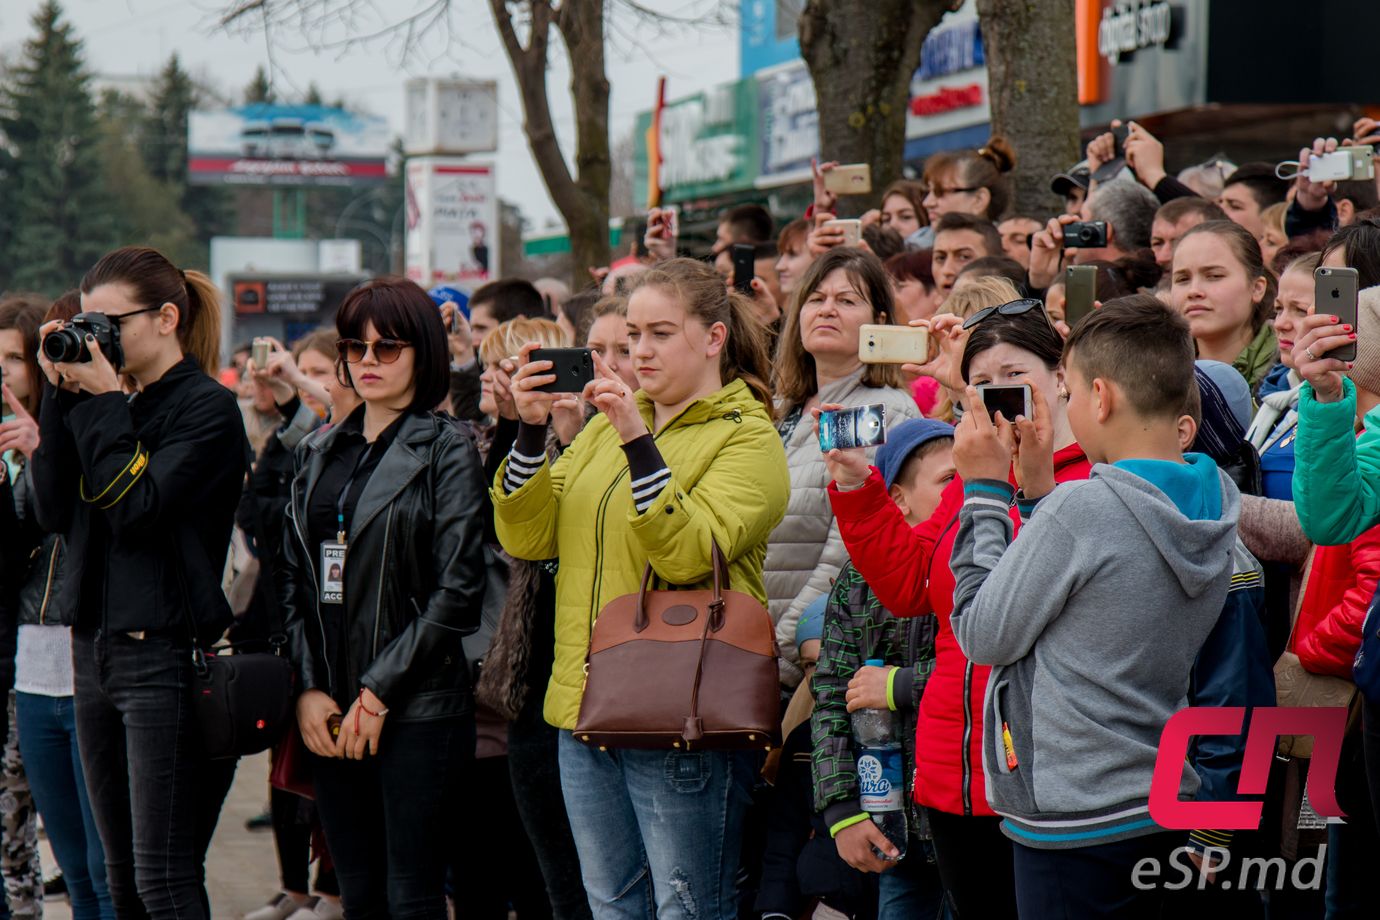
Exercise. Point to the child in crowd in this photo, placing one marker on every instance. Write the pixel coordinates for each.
(916, 464)
(1094, 618)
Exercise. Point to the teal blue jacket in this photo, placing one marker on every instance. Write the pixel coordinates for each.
(1336, 474)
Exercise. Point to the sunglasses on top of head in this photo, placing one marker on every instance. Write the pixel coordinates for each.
(1014, 308)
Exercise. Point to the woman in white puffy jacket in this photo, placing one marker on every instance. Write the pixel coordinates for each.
(817, 364)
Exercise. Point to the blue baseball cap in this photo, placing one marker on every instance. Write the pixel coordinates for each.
(902, 441)
(443, 295)
(811, 622)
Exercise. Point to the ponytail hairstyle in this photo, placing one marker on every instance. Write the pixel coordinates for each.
(701, 292)
(1247, 252)
(986, 167)
(153, 281)
(24, 314)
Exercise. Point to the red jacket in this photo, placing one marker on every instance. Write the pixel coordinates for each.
(908, 571)
(1340, 583)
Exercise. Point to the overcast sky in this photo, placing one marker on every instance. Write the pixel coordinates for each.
(130, 38)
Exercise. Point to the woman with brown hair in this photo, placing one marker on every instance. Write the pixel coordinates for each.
(816, 364)
(970, 181)
(903, 210)
(143, 489)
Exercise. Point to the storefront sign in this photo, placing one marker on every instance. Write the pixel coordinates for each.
(1133, 25)
(708, 144)
(951, 49)
(947, 99)
(278, 145)
(298, 295)
(789, 120)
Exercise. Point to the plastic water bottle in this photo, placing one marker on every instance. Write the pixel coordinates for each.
(877, 735)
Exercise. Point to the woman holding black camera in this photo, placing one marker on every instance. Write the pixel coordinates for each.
(392, 503)
(143, 488)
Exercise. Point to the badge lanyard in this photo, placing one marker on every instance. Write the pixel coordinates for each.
(333, 553)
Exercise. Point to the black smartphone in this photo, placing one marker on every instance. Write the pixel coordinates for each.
(1085, 234)
(573, 367)
(1334, 292)
(744, 267)
(1080, 291)
(1109, 170)
(861, 426)
(1010, 400)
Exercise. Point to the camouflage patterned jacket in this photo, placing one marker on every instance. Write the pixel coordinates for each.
(856, 628)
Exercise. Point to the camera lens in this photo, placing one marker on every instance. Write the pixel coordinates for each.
(64, 346)
(1085, 234)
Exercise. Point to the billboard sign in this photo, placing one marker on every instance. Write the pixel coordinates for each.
(452, 222)
(284, 145)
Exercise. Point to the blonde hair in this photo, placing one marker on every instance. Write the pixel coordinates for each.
(1273, 216)
(508, 338)
(609, 305)
(974, 293)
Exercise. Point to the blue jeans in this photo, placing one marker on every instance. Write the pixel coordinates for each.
(911, 890)
(658, 833)
(48, 744)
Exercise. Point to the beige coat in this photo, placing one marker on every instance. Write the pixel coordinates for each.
(805, 551)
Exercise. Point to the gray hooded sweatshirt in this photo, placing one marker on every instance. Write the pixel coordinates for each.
(1092, 620)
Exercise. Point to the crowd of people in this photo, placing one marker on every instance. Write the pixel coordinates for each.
(466, 561)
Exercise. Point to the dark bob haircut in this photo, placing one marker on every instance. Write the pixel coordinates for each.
(399, 309)
(1029, 331)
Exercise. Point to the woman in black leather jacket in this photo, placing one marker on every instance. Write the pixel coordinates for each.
(382, 574)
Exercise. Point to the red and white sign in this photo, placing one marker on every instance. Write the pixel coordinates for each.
(452, 222)
(267, 144)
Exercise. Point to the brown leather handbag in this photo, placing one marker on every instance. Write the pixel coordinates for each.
(682, 669)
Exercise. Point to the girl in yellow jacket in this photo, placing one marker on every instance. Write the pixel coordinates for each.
(691, 456)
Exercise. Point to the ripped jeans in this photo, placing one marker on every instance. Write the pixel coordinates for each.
(658, 833)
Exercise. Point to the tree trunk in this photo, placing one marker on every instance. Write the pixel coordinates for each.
(861, 55)
(1032, 80)
(583, 199)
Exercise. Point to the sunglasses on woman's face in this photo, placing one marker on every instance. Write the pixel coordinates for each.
(1014, 308)
(386, 351)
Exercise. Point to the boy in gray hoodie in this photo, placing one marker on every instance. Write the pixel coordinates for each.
(1094, 617)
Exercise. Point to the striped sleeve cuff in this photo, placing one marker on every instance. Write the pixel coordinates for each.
(648, 471)
(526, 457)
(1201, 841)
(989, 493)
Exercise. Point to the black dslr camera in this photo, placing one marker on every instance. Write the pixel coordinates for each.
(68, 344)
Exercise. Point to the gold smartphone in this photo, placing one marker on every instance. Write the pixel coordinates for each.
(851, 179)
(852, 230)
(884, 344)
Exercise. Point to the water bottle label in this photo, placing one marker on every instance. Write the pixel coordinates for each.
(879, 780)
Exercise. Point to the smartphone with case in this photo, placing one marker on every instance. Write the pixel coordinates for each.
(850, 179)
(883, 344)
(852, 230)
(573, 367)
(1010, 400)
(1334, 292)
(260, 349)
(1080, 291)
(1346, 164)
(744, 267)
(861, 426)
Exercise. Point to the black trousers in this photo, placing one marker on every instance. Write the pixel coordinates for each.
(535, 773)
(292, 825)
(1091, 882)
(154, 796)
(389, 818)
(974, 859)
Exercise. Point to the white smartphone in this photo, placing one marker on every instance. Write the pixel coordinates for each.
(884, 344)
(852, 230)
(1348, 164)
(1010, 399)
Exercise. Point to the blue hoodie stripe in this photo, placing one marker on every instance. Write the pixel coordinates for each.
(1081, 835)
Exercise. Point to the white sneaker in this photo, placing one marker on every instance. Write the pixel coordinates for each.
(319, 909)
(281, 907)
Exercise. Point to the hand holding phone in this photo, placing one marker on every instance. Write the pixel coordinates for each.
(861, 426)
(1335, 291)
(1080, 292)
(572, 368)
(852, 230)
(849, 179)
(744, 267)
(887, 344)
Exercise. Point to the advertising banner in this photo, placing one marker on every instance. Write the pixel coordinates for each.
(452, 222)
(708, 144)
(286, 145)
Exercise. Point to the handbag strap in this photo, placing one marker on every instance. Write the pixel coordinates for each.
(719, 564)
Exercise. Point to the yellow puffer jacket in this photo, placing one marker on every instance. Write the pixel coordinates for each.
(728, 482)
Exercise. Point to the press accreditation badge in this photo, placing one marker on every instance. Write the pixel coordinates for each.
(332, 573)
